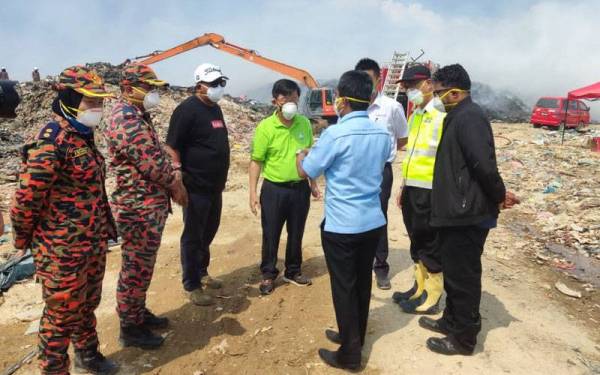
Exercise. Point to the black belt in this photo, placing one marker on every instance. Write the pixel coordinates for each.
(289, 184)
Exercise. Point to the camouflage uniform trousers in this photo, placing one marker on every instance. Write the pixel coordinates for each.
(140, 243)
(72, 289)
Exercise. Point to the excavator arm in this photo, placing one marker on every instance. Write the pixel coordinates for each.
(217, 41)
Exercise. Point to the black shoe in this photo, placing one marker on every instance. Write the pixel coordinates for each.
(383, 282)
(93, 362)
(140, 337)
(331, 359)
(266, 287)
(434, 325)
(298, 280)
(398, 297)
(333, 336)
(153, 321)
(446, 346)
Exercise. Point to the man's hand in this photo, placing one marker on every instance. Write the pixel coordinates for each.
(254, 203)
(300, 155)
(510, 200)
(178, 191)
(314, 189)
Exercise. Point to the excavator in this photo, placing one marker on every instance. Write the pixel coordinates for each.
(317, 103)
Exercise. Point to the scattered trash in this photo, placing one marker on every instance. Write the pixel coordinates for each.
(542, 257)
(262, 330)
(34, 327)
(221, 348)
(26, 359)
(16, 269)
(596, 144)
(566, 290)
(552, 187)
(30, 314)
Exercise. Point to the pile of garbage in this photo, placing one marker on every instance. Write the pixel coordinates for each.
(110, 73)
(241, 116)
(560, 187)
(500, 106)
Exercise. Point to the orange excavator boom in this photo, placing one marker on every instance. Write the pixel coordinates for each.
(217, 41)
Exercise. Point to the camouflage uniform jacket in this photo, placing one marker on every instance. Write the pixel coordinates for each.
(60, 201)
(143, 168)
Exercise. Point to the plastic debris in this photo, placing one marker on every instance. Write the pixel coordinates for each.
(566, 290)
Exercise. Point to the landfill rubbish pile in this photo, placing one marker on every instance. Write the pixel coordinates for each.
(241, 117)
(500, 106)
(560, 190)
(110, 73)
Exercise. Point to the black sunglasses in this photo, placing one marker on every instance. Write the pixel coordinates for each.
(217, 83)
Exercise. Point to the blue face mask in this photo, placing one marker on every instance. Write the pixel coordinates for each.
(85, 130)
(81, 128)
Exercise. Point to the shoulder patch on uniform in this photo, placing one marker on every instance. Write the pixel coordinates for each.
(49, 131)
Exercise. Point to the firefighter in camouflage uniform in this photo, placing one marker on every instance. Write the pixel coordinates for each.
(60, 211)
(146, 179)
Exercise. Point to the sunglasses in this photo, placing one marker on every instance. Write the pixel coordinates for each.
(217, 83)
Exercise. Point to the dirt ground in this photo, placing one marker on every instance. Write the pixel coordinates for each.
(528, 327)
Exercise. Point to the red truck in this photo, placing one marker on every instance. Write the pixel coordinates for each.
(550, 111)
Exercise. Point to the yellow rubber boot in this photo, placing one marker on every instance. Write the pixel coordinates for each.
(420, 275)
(417, 289)
(434, 287)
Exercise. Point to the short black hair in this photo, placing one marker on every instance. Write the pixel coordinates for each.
(285, 87)
(368, 64)
(453, 76)
(358, 85)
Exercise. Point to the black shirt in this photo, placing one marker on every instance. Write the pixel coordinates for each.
(198, 132)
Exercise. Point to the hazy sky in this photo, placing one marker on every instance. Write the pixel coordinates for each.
(533, 48)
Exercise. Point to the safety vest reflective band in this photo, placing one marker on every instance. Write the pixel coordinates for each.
(424, 134)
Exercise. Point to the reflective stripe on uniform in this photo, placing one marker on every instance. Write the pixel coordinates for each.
(429, 153)
(417, 183)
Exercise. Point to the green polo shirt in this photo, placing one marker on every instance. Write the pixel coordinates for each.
(275, 146)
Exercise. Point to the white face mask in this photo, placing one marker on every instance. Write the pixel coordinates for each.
(438, 104)
(289, 110)
(415, 96)
(215, 93)
(90, 117)
(151, 100)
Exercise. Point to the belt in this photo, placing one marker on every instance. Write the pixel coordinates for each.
(289, 184)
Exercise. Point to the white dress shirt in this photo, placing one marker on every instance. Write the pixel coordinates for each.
(389, 113)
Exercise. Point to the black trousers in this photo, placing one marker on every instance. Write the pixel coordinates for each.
(416, 210)
(349, 259)
(283, 204)
(381, 267)
(201, 219)
(461, 249)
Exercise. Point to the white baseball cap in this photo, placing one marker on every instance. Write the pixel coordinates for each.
(208, 73)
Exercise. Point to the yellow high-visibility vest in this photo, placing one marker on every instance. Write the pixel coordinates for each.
(424, 134)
